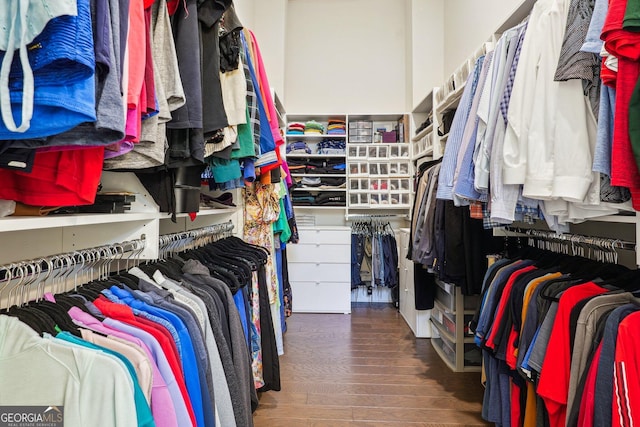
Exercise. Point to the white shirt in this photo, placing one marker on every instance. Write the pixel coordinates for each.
(94, 389)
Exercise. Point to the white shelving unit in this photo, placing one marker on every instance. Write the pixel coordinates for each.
(312, 142)
(449, 318)
(33, 237)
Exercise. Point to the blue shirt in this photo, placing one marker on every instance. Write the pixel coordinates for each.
(450, 158)
(189, 362)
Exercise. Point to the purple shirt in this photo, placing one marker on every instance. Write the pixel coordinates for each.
(167, 405)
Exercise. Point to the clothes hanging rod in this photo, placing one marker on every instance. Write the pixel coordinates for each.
(191, 239)
(600, 242)
(62, 261)
(199, 232)
(373, 216)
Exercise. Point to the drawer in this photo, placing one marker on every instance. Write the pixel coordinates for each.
(319, 253)
(315, 236)
(312, 297)
(320, 272)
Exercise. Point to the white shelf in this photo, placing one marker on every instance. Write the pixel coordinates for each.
(317, 156)
(451, 99)
(426, 105)
(314, 207)
(54, 221)
(626, 219)
(379, 206)
(424, 153)
(315, 136)
(424, 132)
(206, 212)
(444, 138)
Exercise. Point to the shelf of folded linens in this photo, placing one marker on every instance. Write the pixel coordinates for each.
(20, 223)
(315, 156)
(315, 135)
(312, 189)
(326, 175)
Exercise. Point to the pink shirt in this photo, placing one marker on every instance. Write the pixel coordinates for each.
(163, 401)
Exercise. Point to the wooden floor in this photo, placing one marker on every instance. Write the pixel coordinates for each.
(366, 369)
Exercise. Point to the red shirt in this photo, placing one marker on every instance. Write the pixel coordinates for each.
(585, 417)
(625, 45)
(124, 314)
(553, 386)
(58, 178)
(502, 305)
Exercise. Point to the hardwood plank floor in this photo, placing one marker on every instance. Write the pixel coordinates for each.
(366, 369)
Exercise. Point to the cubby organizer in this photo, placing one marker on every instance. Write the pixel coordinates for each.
(378, 173)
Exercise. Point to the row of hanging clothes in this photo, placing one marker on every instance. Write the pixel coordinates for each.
(374, 254)
(558, 333)
(186, 340)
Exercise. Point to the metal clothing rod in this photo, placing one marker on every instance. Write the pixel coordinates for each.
(185, 240)
(599, 242)
(22, 278)
(370, 216)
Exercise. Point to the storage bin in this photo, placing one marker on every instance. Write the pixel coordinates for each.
(360, 124)
(360, 132)
(360, 139)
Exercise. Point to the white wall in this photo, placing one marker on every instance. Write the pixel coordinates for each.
(428, 46)
(345, 56)
(468, 23)
(270, 25)
(244, 10)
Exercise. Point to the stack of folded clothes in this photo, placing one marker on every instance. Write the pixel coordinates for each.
(336, 127)
(317, 166)
(295, 128)
(303, 198)
(104, 203)
(329, 198)
(332, 146)
(326, 183)
(310, 181)
(313, 128)
(298, 147)
(333, 182)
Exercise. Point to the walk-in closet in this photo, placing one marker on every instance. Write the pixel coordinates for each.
(238, 213)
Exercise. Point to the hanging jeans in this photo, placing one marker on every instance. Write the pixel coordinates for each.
(390, 260)
(357, 255)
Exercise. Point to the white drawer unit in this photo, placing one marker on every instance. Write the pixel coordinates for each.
(321, 253)
(320, 270)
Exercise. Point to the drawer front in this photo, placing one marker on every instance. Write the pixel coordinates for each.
(313, 297)
(319, 253)
(322, 236)
(320, 272)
